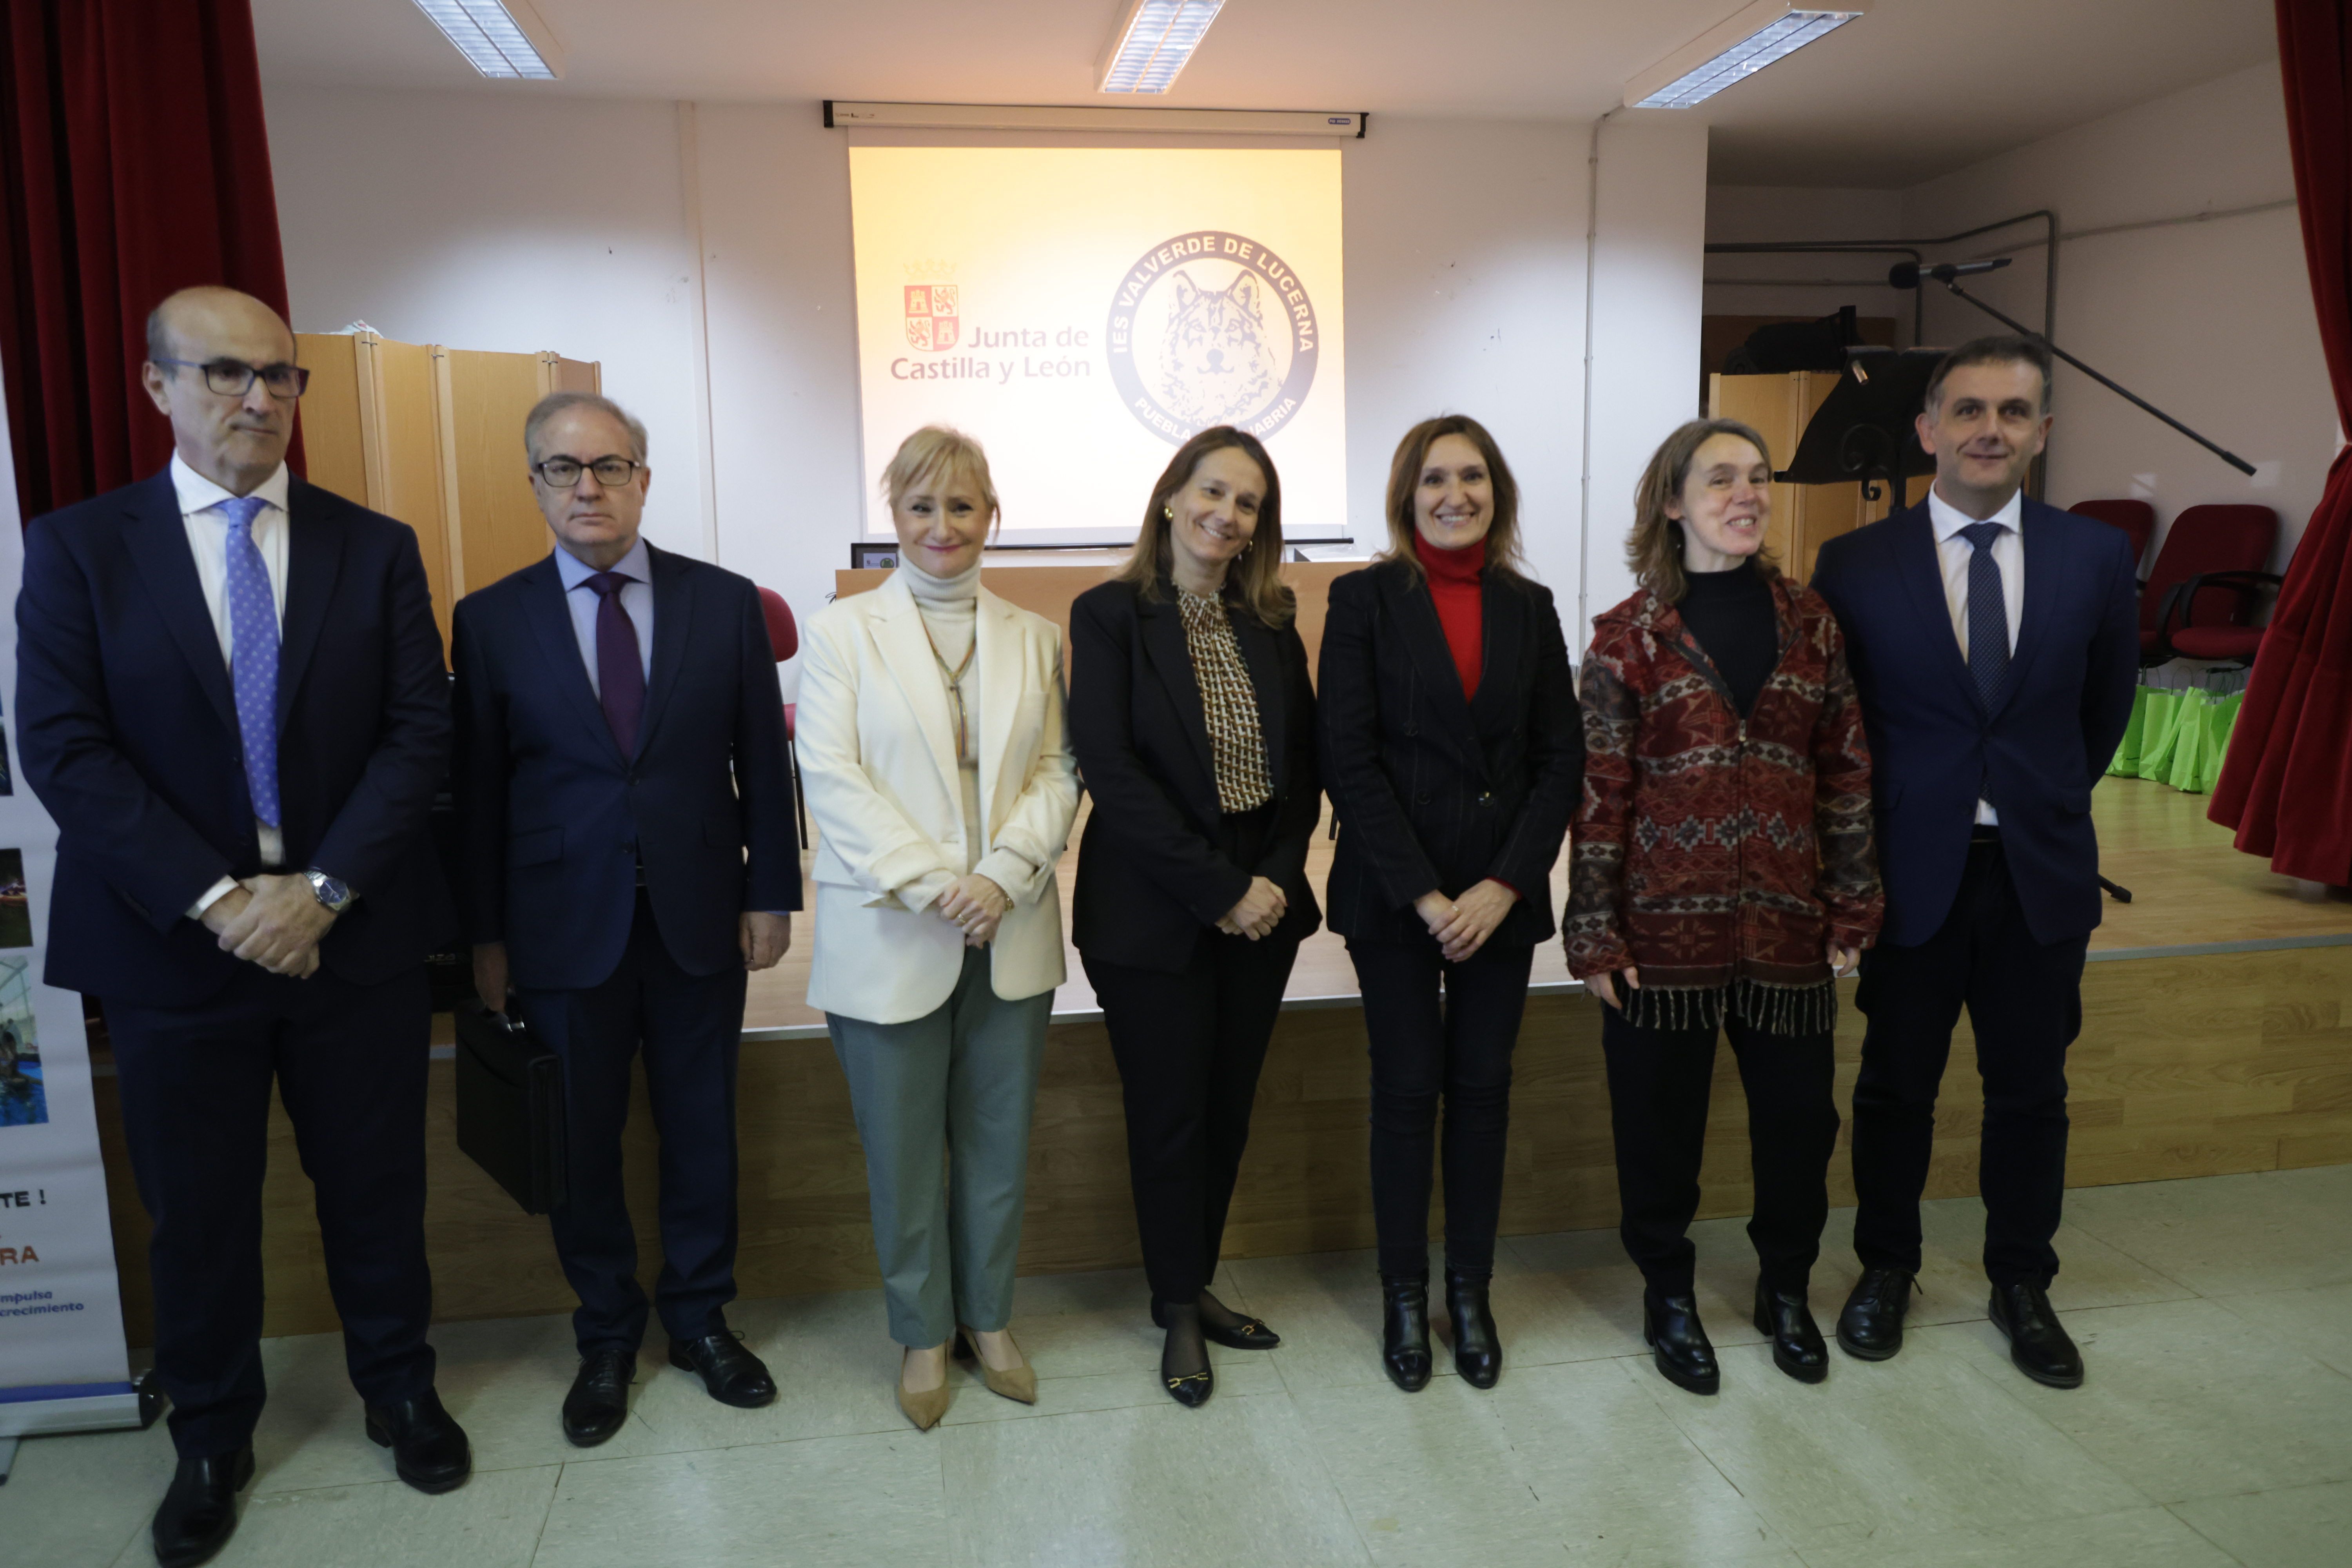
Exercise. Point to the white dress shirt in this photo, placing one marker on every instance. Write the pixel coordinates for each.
(637, 597)
(207, 527)
(1953, 555)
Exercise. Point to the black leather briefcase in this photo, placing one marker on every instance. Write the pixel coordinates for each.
(511, 1106)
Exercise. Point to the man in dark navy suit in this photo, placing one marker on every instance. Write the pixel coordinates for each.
(230, 696)
(628, 829)
(1994, 643)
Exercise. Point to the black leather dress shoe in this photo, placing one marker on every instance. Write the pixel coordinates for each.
(1788, 1322)
(199, 1509)
(1678, 1343)
(1404, 1330)
(732, 1374)
(1244, 1333)
(428, 1448)
(1477, 1351)
(599, 1401)
(2038, 1346)
(1871, 1327)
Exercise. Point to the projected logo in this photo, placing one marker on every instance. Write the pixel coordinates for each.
(932, 321)
(1211, 328)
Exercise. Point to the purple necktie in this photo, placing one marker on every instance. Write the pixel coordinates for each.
(620, 670)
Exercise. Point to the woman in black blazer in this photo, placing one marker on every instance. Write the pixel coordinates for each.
(1455, 755)
(1193, 721)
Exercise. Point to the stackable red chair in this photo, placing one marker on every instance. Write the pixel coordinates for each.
(784, 637)
(2208, 577)
(2136, 518)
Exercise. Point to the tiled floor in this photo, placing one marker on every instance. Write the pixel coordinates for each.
(2216, 1427)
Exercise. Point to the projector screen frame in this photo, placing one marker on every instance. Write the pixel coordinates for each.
(846, 114)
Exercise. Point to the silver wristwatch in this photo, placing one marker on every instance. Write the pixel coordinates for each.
(332, 891)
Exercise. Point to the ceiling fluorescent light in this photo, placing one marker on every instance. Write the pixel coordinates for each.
(1151, 48)
(1764, 32)
(503, 39)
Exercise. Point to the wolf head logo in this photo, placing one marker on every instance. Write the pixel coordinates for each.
(1215, 364)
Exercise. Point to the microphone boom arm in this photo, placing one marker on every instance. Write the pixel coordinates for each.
(2223, 453)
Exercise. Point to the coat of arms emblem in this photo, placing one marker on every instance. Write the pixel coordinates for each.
(931, 319)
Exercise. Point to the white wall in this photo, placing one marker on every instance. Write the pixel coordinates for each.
(1648, 283)
(1816, 284)
(2211, 322)
(500, 223)
(486, 222)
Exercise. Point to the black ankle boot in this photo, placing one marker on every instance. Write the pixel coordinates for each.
(1404, 1329)
(1787, 1320)
(1477, 1353)
(1670, 1327)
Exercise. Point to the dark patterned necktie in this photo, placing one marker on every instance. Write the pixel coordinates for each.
(620, 666)
(1988, 612)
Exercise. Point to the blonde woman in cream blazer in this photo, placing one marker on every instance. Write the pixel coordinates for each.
(942, 790)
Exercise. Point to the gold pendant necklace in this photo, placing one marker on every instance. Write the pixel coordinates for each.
(955, 687)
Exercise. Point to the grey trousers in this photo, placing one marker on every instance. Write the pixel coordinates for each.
(962, 1078)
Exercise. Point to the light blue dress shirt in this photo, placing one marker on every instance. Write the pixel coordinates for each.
(637, 597)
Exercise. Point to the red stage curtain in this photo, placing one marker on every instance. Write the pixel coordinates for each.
(134, 160)
(2288, 785)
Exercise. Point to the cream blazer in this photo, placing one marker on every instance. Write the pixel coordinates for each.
(877, 744)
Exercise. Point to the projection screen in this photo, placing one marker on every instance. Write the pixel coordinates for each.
(1082, 311)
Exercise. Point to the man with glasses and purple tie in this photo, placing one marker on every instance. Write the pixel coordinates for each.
(629, 858)
(1994, 643)
(231, 698)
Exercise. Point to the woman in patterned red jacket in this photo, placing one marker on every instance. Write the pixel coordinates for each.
(1722, 876)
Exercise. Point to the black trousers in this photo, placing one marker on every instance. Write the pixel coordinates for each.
(1190, 1045)
(348, 1061)
(1440, 1029)
(2026, 1003)
(690, 1027)
(1659, 1081)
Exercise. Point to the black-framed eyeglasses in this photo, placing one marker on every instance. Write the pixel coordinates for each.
(234, 377)
(563, 473)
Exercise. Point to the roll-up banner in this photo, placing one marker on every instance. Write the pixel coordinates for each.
(63, 1367)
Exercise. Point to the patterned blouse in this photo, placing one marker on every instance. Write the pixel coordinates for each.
(1228, 703)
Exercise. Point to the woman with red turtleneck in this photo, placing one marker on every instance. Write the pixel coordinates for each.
(1454, 753)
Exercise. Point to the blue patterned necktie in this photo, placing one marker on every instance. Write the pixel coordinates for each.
(1988, 612)
(253, 658)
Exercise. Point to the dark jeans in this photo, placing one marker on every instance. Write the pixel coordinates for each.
(1190, 1045)
(1438, 1029)
(2026, 1003)
(1659, 1081)
(690, 1027)
(350, 1064)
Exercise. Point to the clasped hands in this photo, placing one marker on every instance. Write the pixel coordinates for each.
(274, 921)
(1260, 911)
(1463, 925)
(975, 906)
(1843, 961)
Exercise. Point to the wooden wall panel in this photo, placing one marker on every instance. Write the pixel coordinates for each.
(489, 396)
(334, 448)
(2187, 1066)
(1047, 591)
(415, 478)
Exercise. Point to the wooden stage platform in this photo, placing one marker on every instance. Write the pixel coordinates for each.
(2217, 1038)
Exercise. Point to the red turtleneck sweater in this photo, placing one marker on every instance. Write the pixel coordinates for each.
(1461, 605)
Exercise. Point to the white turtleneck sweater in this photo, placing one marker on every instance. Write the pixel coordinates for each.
(949, 607)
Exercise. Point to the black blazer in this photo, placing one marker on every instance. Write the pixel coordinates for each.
(127, 724)
(2035, 753)
(556, 820)
(1151, 872)
(1433, 792)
